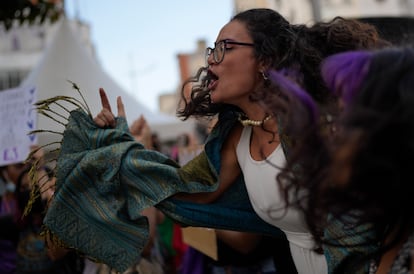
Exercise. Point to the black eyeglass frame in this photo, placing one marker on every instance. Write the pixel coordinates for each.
(225, 42)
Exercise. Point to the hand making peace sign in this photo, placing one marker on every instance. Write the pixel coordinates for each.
(106, 118)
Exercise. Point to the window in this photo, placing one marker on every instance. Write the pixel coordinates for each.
(11, 79)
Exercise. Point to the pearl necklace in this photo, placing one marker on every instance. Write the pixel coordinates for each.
(254, 123)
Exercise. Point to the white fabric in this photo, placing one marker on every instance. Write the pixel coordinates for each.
(268, 203)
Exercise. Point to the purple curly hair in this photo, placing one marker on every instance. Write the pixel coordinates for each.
(292, 90)
(344, 73)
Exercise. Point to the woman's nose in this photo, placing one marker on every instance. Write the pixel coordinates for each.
(209, 60)
(209, 57)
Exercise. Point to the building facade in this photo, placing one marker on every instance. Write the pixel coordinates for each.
(308, 11)
(22, 47)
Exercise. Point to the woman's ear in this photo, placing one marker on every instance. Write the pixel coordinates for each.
(262, 70)
(262, 67)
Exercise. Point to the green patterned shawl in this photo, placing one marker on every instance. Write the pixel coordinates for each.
(105, 179)
(350, 245)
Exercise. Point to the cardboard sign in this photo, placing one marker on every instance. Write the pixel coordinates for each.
(201, 238)
(18, 118)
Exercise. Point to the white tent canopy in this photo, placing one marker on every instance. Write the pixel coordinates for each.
(65, 59)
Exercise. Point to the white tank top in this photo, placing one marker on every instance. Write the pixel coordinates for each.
(268, 202)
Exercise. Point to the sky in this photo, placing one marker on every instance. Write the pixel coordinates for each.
(137, 41)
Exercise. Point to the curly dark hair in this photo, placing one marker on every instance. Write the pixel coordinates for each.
(364, 169)
(378, 132)
(327, 38)
(279, 44)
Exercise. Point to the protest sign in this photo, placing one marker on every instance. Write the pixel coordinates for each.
(18, 118)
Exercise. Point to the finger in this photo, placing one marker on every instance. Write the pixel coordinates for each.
(100, 122)
(141, 119)
(105, 118)
(37, 151)
(134, 128)
(120, 105)
(104, 99)
(144, 121)
(108, 117)
(137, 125)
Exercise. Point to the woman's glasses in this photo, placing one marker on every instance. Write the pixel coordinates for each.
(220, 49)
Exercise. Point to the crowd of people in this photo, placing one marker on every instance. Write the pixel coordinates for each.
(311, 152)
(23, 248)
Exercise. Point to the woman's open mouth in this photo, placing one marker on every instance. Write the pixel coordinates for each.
(211, 80)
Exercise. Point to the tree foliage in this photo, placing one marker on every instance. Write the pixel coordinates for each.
(29, 11)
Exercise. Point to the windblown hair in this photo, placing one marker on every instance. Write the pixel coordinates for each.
(323, 39)
(279, 44)
(364, 169)
(273, 39)
(378, 144)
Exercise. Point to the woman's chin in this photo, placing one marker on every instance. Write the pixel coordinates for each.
(214, 97)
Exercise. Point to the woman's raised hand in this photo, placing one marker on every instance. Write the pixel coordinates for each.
(106, 118)
(141, 132)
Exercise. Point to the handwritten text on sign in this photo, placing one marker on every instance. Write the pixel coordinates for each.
(18, 118)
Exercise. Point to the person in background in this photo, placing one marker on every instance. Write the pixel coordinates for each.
(11, 212)
(9, 216)
(33, 256)
(242, 149)
(360, 193)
